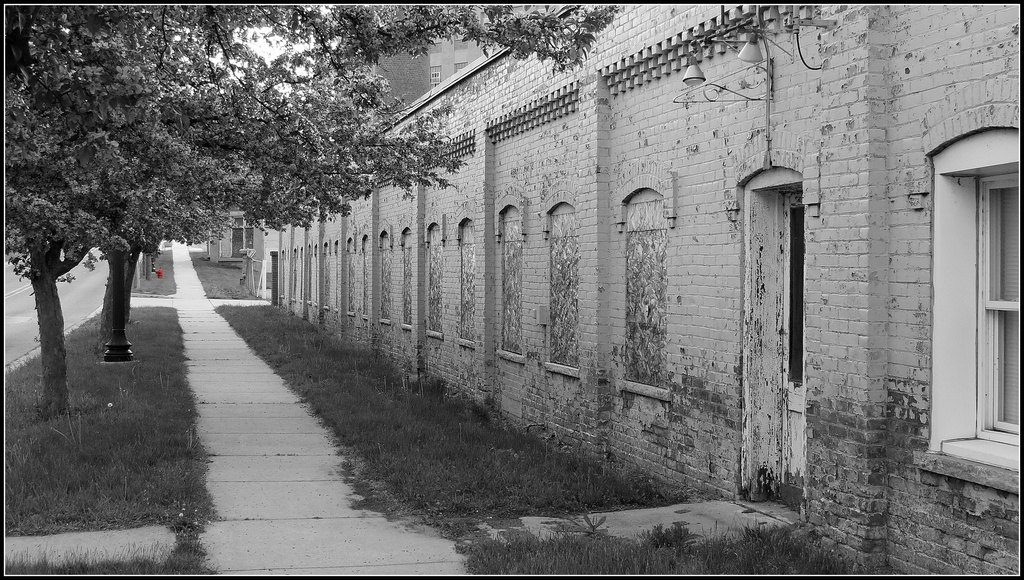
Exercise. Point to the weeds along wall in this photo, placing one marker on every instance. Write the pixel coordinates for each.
(622, 263)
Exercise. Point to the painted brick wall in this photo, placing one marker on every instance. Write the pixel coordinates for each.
(952, 72)
(858, 131)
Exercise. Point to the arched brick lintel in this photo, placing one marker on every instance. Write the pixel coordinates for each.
(787, 152)
(967, 122)
(992, 106)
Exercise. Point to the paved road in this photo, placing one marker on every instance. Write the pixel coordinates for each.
(79, 299)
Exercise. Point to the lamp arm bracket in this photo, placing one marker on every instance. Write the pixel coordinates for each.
(817, 23)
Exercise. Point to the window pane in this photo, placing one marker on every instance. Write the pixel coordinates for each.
(1006, 247)
(1009, 368)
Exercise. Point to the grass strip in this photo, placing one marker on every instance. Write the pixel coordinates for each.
(188, 557)
(157, 286)
(763, 550)
(443, 458)
(126, 455)
(220, 279)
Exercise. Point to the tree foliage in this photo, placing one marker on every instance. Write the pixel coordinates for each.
(126, 125)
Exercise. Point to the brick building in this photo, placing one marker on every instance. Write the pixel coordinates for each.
(796, 281)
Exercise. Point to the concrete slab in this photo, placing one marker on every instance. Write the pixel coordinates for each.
(216, 369)
(263, 425)
(274, 468)
(238, 397)
(235, 410)
(283, 500)
(417, 569)
(236, 546)
(710, 518)
(275, 444)
(152, 542)
(237, 382)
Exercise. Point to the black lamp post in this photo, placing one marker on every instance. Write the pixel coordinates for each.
(118, 349)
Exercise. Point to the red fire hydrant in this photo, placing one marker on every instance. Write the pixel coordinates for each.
(159, 272)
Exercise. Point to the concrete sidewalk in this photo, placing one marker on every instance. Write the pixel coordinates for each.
(283, 506)
(275, 475)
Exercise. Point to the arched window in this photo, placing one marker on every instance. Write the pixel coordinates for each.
(646, 287)
(435, 270)
(336, 299)
(303, 270)
(314, 274)
(467, 253)
(407, 251)
(511, 280)
(976, 299)
(326, 276)
(350, 255)
(365, 279)
(564, 244)
(294, 273)
(385, 276)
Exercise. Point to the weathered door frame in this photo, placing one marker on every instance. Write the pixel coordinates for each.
(774, 425)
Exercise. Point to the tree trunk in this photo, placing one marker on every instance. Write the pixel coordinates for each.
(52, 350)
(107, 313)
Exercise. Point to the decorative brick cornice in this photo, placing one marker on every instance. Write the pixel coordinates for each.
(670, 55)
(464, 145)
(544, 110)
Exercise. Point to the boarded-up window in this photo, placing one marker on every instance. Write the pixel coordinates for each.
(468, 269)
(336, 300)
(565, 282)
(511, 280)
(385, 276)
(314, 274)
(406, 277)
(303, 270)
(294, 272)
(350, 255)
(364, 279)
(327, 274)
(434, 279)
(646, 287)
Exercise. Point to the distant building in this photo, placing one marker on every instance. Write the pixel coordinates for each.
(412, 77)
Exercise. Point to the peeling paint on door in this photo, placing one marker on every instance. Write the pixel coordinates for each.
(774, 423)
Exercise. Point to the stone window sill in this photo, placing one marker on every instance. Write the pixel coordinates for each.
(407, 327)
(385, 321)
(352, 314)
(646, 390)
(562, 369)
(366, 318)
(971, 460)
(435, 334)
(512, 356)
(466, 343)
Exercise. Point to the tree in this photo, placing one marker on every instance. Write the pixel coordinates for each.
(126, 125)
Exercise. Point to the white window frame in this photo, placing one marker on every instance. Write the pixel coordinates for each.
(435, 75)
(957, 381)
(988, 328)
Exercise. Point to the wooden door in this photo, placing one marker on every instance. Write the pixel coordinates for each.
(774, 428)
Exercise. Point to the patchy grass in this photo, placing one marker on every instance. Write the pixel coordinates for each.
(126, 455)
(447, 460)
(188, 557)
(220, 279)
(413, 451)
(159, 286)
(764, 551)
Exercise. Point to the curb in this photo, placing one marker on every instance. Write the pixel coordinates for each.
(18, 362)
